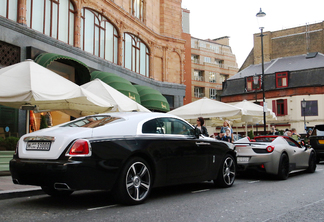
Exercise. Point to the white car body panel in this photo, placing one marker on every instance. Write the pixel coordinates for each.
(129, 125)
(298, 156)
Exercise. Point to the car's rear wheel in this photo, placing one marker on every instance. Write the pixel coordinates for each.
(134, 183)
(227, 172)
(312, 163)
(283, 170)
(56, 193)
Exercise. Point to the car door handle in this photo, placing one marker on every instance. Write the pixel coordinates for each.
(202, 143)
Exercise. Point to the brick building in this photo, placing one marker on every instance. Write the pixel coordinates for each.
(212, 62)
(294, 71)
(138, 40)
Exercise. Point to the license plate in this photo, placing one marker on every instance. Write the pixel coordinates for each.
(243, 159)
(321, 141)
(40, 146)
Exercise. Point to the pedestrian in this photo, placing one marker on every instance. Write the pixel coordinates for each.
(201, 127)
(286, 131)
(228, 137)
(289, 133)
(273, 131)
(227, 125)
(294, 134)
(309, 133)
(220, 136)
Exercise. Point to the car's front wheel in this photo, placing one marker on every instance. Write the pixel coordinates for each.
(312, 163)
(283, 170)
(227, 172)
(134, 183)
(56, 193)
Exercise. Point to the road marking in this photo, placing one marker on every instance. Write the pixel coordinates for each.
(319, 170)
(99, 208)
(199, 191)
(256, 181)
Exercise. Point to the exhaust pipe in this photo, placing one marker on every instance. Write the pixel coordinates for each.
(15, 181)
(61, 186)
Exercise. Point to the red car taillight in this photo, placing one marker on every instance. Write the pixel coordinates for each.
(270, 149)
(80, 148)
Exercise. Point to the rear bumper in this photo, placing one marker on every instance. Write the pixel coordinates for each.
(260, 162)
(76, 174)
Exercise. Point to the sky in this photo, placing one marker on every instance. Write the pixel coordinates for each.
(237, 19)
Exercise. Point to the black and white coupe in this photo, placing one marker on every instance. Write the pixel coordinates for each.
(127, 153)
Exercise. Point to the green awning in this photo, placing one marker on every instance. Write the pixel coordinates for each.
(118, 83)
(152, 99)
(82, 72)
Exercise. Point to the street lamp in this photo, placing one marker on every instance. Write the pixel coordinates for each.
(261, 17)
(255, 82)
(303, 103)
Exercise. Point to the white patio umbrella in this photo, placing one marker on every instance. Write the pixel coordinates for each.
(208, 108)
(29, 84)
(253, 113)
(120, 102)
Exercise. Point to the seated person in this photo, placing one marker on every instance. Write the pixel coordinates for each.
(227, 136)
(220, 136)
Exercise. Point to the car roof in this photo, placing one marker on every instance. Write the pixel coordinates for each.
(138, 115)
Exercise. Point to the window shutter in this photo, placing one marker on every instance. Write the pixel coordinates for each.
(285, 107)
(274, 106)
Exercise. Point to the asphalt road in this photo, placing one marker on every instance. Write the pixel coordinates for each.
(252, 198)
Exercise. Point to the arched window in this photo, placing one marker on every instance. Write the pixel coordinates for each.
(138, 9)
(9, 9)
(52, 17)
(98, 36)
(136, 55)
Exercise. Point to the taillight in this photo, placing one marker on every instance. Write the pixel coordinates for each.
(270, 149)
(80, 148)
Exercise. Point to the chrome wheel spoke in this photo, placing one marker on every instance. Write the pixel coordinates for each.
(145, 185)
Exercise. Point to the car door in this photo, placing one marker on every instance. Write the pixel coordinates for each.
(299, 156)
(188, 156)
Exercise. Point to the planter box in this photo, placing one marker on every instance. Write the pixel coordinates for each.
(5, 157)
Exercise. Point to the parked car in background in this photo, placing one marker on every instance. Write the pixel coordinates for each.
(316, 141)
(127, 153)
(274, 154)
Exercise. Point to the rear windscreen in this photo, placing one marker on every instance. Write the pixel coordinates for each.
(92, 121)
(318, 130)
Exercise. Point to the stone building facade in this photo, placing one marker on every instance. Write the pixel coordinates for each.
(139, 40)
(212, 62)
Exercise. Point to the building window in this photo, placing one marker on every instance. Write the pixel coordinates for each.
(212, 77)
(212, 93)
(54, 18)
(280, 107)
(193, 43)
(223, 77)
(199, 92)
(9, 9)
(98, 36)
(195, 58)
(281, 79)
(198, 75)
(311, 108)
(202, 44)
(207, 59)
(250, 86)
(138, 9)
(136, 55)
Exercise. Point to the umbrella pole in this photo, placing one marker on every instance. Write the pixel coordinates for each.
(27, 121)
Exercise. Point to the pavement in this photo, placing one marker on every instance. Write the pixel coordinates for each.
(10, 190)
